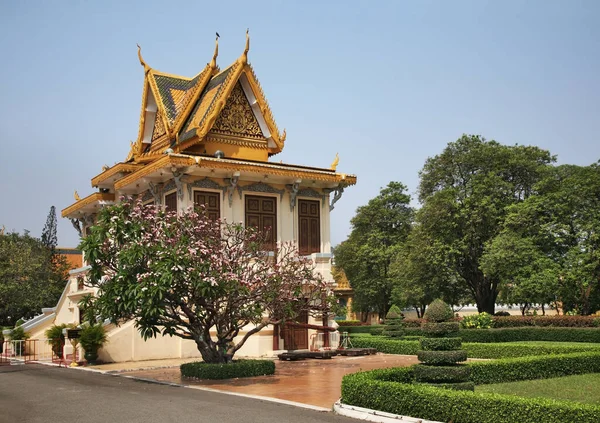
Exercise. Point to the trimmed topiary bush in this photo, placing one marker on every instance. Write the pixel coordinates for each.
(438, 311)
(440, 329)
(440, 344)
(235, 369)
(393, 323)
(439, 356)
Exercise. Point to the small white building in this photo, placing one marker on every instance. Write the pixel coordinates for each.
(209, 140)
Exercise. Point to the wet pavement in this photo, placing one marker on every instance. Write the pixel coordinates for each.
(313, 381)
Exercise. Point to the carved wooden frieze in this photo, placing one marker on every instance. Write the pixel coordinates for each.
(206, 183)
(260, 187)
(237, 117)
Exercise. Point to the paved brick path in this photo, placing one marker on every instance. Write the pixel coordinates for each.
(313, 382)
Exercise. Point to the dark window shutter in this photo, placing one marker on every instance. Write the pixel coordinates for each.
(171, 201)
(309, 227)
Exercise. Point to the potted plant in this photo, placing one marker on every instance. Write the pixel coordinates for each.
(92, 338)
(56, 339)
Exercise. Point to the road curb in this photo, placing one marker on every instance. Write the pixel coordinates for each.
(376, 416)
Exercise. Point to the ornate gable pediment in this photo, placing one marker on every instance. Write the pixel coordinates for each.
(237, 118)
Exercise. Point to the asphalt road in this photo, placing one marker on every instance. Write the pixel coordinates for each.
(35, 393)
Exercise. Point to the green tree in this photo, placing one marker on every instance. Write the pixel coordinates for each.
(186, 275)
(31, 277)
(49, 238)
(466, 191)
(421, 274)
(550, 245)
(378, 231)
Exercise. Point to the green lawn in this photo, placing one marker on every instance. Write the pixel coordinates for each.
(581, 388)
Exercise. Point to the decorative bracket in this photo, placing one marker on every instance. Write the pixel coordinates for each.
(261, 187)
(233, 181)
(338, 191)
(177, 178)
(77, 225)
(293, 189)
(156, 191)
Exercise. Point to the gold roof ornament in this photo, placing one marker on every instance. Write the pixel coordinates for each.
(244, 57)
(76, 195)
(283, 136)
(335, 162)
(213, 62)
(142, 62)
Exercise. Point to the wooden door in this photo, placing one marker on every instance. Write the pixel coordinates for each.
(261, 213)
(211, 202)
(295, 338)
(309, 222)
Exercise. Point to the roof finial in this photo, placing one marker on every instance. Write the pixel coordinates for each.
(213, 62)
(335, 162)
(142, 62)
(244, 57)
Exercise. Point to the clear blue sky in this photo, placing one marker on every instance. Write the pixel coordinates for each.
(385, 84)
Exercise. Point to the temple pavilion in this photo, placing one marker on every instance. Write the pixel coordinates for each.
(209, 140)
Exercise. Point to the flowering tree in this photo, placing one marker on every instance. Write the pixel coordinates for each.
(186, 275)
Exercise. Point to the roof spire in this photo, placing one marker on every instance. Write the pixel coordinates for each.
(213, 62)
(142, 62)
(244, 57)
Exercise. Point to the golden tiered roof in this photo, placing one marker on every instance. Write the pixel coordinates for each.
(190, 111)
(185, 121)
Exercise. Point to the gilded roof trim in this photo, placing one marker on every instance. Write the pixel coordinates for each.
(96, 197)
(265, 109)
(165, 161)
(236, 165)
(159, 102)
(118, 168)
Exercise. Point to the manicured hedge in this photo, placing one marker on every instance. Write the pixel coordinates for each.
(378, 330)
(439, 374)
(370, 390)
(528, 368)
(553, 321)
(238, 368)
(351, 323)
(531, 334)
(475, 350)
(440, 328)
(500, 335)
(361, 329)
(436, 358)
(440, 344)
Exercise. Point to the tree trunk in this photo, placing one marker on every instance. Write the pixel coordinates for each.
(486, 302)
(543, 310)
(418, 310)
(211, 353)
(485, 292)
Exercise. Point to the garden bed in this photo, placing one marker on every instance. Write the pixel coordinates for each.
(235, 369)
(394, 391)
(477, 350)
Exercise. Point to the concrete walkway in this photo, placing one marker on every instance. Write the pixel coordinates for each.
(312, 382)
